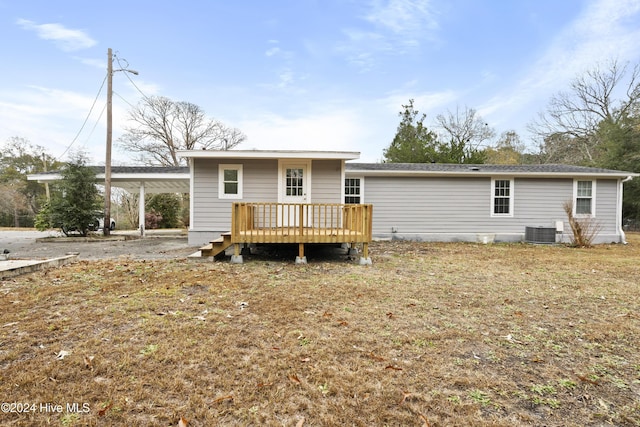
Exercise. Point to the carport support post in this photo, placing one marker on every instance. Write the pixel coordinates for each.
(141, 212)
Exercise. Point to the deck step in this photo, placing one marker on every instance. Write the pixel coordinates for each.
(216, 246)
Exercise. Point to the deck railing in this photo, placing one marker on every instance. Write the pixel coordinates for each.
(300, 223)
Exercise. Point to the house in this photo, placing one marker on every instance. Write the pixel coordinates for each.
(426, 202)
(241, 197)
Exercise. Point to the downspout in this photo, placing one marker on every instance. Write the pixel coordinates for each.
(623, 236)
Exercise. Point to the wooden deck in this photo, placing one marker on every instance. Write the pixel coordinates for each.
(300, 224)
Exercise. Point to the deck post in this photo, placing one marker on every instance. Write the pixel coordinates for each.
(236, 258)
(365, 260)
(301, 259)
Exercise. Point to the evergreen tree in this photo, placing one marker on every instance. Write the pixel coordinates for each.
(413, 143)
(75, 206)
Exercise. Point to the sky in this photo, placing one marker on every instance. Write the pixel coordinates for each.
(297, 74)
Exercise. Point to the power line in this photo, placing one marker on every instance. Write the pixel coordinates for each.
(129, 77)
(96, 123)
(85, 120)
(120, 96)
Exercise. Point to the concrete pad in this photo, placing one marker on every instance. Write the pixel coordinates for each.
(16, 267)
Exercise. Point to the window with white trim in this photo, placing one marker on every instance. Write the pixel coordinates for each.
(584, 196)
(230, 181)
(502, 197)
(352, 190)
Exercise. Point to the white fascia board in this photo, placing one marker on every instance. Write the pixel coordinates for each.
(44, 177)
(263, 154)
(129, 176)
(484, 174)
(146, 176)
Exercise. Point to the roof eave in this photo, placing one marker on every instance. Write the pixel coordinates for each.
(264, 154)
(473, 174)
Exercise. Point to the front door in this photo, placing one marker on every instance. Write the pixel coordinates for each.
(294, 188)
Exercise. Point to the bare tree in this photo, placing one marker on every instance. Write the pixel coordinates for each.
(464, 128)
(162, 127)
(508, 150)
(571, 122)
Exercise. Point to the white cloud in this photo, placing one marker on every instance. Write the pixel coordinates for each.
(52, 118)
(606, 30)
(397, 26)
(66, 39)
(324, 131)
(409, 18)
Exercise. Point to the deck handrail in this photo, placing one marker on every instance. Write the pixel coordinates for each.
(266, 222)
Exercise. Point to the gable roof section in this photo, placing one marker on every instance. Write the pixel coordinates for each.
(483, 170)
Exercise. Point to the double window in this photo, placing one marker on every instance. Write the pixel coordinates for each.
(584, 195)
(230, 181)
(502, 197)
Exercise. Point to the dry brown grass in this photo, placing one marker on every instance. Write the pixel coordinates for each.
(430, 335)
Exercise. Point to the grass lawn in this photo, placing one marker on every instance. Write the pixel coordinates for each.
(431, 334)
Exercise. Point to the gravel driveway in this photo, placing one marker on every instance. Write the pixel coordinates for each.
(23, 245)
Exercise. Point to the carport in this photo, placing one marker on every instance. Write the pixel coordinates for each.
(135, 179)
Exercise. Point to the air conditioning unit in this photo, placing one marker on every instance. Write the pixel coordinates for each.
(542, 235)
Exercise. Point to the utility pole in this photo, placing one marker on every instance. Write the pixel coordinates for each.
(106, 225)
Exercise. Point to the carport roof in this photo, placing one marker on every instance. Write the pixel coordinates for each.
(156, 179)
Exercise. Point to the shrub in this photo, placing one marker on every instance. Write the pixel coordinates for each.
(584, 230)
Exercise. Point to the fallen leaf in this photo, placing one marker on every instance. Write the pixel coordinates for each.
(374, 357)
(390, 315)
(223, 398)
(393, 368)
(294, 378)
(104, 410)
(183, 422)
(587, 380)
(264, 384)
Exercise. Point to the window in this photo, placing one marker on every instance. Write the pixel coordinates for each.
(294, 185)
(584, 192)
(230, 181)
(501, 197)
(352, 190)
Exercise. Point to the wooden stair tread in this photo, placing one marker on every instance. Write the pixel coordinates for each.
(217, 246)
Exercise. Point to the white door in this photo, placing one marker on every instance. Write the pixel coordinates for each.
(294, 188)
